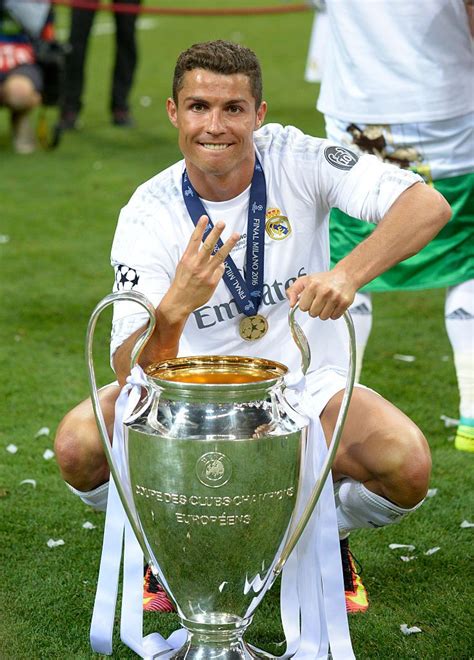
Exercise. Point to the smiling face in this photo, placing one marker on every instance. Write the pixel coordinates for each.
(215, 116)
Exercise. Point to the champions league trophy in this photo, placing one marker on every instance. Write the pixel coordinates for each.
(214, 457)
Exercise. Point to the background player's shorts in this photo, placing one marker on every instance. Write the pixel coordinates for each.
(442, 152)
(31, 71)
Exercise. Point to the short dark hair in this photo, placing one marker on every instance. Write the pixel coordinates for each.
(223, 57)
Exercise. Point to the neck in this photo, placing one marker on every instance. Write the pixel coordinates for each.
(220, 187)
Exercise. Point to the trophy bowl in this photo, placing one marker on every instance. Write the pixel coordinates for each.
(214, 464)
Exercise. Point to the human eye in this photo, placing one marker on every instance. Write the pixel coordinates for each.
(197, 106)
(234, 109)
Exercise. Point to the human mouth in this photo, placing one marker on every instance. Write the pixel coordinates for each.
(213, 146)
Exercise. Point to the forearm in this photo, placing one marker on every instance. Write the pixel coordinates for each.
(470, 15)
(197, 275)
(162, 345)
(411, 222)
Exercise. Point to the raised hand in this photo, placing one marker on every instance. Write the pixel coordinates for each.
(201, 267)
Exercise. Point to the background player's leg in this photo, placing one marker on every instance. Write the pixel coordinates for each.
(459, 317)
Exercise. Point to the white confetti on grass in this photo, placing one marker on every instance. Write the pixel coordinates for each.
(432, 492)
(409, 631)
(431, 551)
(32, 482)
(407, 557)
(404, 358)
(48, 454)
(145, 101)
(465, 524)
(4, 238)
(12, 449)
(88, 525)
(449, 422)
(44, 430)
(54, 544)
(397, 546)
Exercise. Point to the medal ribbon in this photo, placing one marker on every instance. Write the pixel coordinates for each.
(247, 292)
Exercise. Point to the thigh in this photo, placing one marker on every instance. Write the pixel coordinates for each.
(78, 445)
(376, 438)
(107, 397)
(79, 426)
(30, 73)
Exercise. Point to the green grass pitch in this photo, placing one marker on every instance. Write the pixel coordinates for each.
(59, 211)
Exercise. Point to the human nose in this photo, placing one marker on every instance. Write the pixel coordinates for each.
(216, 123)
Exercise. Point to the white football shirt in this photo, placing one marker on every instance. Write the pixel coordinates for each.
(390, 62)
(305, 177)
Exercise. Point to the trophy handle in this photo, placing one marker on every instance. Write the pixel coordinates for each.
(125, 497)
(302, 343)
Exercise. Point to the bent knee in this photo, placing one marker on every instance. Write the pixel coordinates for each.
(79, 452)
(20, 94)
(408, 479)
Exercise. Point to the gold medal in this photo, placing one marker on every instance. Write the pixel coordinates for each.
(253, 327)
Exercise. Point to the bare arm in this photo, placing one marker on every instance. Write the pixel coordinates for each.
(411, 222)
(197, 275)
(470, 15)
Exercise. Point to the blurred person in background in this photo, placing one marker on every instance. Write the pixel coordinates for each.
(123, 73)
(399, 83)
(22, 26)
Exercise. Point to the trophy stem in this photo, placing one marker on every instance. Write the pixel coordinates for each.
(218, 641)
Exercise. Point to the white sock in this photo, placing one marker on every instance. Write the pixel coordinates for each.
(357, 507)
(459, 318)
(361, 312)
(96, 498)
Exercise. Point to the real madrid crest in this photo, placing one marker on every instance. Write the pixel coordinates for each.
(277, 225)
(253, 327)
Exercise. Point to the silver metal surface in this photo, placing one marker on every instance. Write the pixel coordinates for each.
(106, 443)
(213, 471)
(300, 339)
(214, 474)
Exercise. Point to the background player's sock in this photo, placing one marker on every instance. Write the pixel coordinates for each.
(459, 315)
(464, 439)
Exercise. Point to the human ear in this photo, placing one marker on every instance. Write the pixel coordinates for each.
(172, 110)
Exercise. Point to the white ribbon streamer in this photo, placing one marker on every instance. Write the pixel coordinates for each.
(313, 608)
(116, 524)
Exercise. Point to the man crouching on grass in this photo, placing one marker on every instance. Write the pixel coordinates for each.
(172, 253)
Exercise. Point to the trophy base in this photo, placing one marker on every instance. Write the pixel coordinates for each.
(237, 650)
(220, 640)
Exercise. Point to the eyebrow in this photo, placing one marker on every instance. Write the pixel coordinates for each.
(198, 99)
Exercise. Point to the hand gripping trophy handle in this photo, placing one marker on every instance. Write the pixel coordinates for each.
(125, 497)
